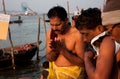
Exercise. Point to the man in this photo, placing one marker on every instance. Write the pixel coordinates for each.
(111, 20)
(65, 47)
(89, 24)
(74, 17)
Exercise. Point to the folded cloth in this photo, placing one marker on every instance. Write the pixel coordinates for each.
(51, 71)
(70, 72)
(111, 17)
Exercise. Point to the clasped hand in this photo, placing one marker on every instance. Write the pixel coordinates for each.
(58, 45)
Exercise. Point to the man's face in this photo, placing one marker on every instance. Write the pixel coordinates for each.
(115, 32)
(88, 35)
(56, 24)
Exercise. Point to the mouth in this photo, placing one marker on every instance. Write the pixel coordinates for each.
(56, 31)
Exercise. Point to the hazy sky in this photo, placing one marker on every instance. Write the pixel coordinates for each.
(42, 6)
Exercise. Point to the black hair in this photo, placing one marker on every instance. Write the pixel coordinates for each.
(89, 19)
(57, 11)
(46, 64)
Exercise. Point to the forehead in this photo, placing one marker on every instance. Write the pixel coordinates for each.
(54, 19)
(88, 32)
(85, 30)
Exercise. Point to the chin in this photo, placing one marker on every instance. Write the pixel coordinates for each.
(119, 41)
(57, 32)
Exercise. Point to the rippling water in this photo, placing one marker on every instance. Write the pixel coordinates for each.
(25, 32)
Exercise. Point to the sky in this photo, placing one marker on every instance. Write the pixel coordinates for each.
(42, 6)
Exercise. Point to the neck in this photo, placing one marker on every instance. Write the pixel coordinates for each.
(65, 29)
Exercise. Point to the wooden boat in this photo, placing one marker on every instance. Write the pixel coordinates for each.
(22, 54)
(16, 21)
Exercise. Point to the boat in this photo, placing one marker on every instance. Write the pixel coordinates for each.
(16, 21)
(22, 54)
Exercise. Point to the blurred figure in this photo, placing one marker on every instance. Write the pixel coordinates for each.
(74, 17)
(45, 71)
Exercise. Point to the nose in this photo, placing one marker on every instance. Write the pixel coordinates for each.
(84, 39)
(54, 27)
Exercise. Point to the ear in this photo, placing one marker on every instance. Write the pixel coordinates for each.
(67, 20)
(100, 28)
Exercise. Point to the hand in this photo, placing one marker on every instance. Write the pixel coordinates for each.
(89, 55)
(58, 45)
(53, 35)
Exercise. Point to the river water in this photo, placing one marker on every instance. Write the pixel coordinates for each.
(25, 32)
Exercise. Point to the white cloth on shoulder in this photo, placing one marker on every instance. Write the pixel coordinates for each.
(117, 45)
(95, 39)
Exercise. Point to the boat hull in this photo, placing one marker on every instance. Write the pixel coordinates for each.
(21, 56)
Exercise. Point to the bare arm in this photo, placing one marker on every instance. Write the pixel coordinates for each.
(51, 54)
(80, 46)
(72, 58)
(104, 61)
(77, 58)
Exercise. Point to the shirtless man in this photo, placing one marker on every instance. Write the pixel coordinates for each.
(65, 47)
(89, 24)
(111, 20)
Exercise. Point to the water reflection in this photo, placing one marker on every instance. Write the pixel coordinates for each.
(31, 70)
(25, 33)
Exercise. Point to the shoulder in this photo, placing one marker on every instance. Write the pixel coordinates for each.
(108, 40)
(77, 34)
(48, 33)
(118, 56)
(75, 31)
(107, 45)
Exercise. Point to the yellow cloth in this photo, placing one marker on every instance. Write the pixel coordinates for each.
(71, 72)
(4, 25)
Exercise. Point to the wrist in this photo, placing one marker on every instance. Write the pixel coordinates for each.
(55, 51)
(64, 50)
(87, 59)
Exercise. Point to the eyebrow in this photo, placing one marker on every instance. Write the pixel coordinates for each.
(84, 33)
(56, 24)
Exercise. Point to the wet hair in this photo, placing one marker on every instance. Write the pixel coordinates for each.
(46, 64)
(57, 11)
(89, 19)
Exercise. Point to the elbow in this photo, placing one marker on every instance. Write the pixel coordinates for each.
(48, 58)
(81, 64)
(51, 57)
(95, 76)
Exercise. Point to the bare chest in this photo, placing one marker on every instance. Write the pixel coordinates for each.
(70, 42)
